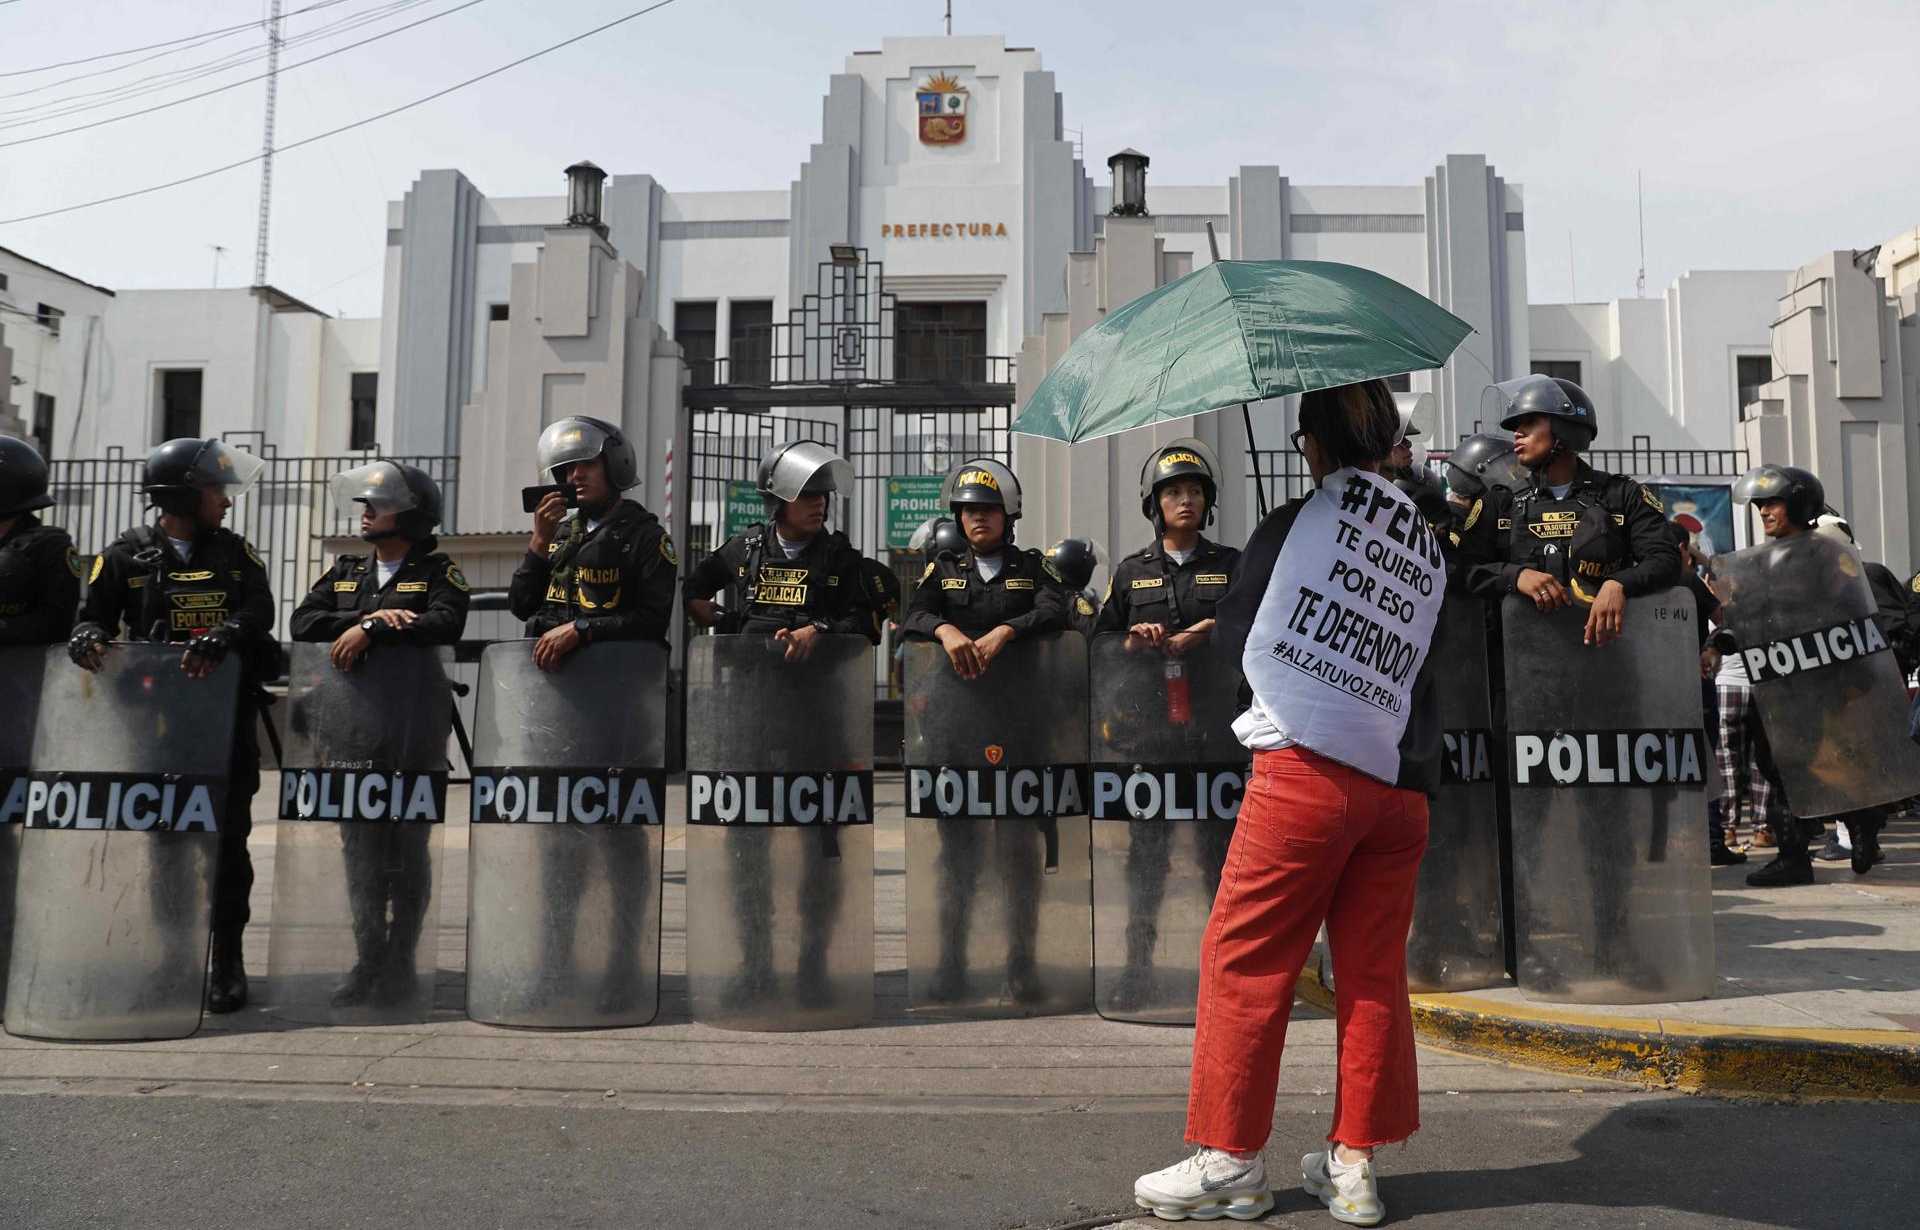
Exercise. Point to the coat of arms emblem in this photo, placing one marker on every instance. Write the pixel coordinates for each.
(943, 110)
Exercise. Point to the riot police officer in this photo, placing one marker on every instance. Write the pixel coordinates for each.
(187, 579)
(1075, 559)
(599, 566)
(405, 593)
(1163, 598)
(39, 573)
(975, 604)
(794, 580)
(1574, 531)
(1482, 474)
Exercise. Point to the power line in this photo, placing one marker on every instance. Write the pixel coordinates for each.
(234, 85)
(334, 132)
(111, 55)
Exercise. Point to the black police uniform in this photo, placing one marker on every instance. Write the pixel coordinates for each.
(140, 582)
(827, 586)
(1607, 528)
(389, 876)
(1151, 587)
(1028, 596)
(766, 590)
(39, 583)
(618, 578)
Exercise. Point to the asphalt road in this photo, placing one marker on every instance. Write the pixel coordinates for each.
(1606, 1159)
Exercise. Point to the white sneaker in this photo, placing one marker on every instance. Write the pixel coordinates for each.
(1212, 1183)
(1349, 1194)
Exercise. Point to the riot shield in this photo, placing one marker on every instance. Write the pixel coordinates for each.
(22, 669)
(1831, 697)
(124, 808)
(1456, 942)
(780, 833)
(1606, 763)
(564, 856)
(1164, 787)
(998, 892)
(356, 863)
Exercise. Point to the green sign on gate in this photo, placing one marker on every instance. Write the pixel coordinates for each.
(744, 508)
(911, 499)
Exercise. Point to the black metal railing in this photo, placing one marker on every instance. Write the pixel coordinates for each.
(286, 515)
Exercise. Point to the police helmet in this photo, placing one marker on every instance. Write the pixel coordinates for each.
(938, 536)
(1562, 402)
(579, 438)
(1481, 462)
(1184, 458)
(392, 486)
(1075, 559)
(178, 470)
(1805, 496)
(804, 467)
(981, 481)
(23, 478)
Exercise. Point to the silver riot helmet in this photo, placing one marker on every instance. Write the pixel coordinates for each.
(1564, 403)
(578, 438)
(1806, 497)
(804, 467)
(391, 486)
(1414, 409)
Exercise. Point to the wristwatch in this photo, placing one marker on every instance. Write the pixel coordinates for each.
(581, 628)
(821, 625)
(368, 624)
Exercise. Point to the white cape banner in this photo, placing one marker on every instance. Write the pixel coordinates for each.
(1345, 624)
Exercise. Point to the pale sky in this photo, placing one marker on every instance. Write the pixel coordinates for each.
(1767, 132)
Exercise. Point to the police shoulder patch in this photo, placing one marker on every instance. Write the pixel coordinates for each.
(251, 553)
(1473, 516)
(929, 572)
(1051, 570)
(1653, 501)
(99, 565)
(457, 579)
(666, 550)
(1081, 604)
(73, 562)
(1915, 583)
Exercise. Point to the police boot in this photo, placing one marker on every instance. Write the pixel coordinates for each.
(361, 981)
(1784, 871)
(1866, 844)
(227, 985)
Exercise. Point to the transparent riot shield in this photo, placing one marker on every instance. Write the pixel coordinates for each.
(1831, 697)
(1164, 786)
(780, 833)
(1456, 942)
(124, 808)
(356, 863)
(1606, 768)
(22, 669)
(564, 856)
(998, 871)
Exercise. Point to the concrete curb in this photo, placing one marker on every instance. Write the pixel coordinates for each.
(1881, 1065)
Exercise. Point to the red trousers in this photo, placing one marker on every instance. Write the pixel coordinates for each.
(1316, 842)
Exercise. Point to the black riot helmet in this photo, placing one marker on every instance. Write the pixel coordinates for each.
(1565, 404)
(392, 486)
(179, 470)
(1482, 462)
(1075, 559)
(789, 471)
(579, 438)
(938, 536)
(23, 478)
(1184, 458)
(982, 482)
(1806, 497)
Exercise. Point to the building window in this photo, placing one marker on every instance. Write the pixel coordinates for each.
(941, 341)
(179, 402)
(496, 312)
(1750, 371)
(694, 327)
(362, 397)
(50, 317)
(750, 341)
(1403, 383)
(3, 281)
(43, 424)
(1559, 369)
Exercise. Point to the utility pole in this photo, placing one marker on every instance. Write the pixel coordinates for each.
(1573, 282)
(1640, 190)
(266, 148)
(949, 18)
(218, 252)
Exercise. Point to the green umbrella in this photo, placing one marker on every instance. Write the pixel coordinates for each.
(1235, 332)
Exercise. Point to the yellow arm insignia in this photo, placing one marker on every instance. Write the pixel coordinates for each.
(666, 550)
(1653, 501)
(458, 579)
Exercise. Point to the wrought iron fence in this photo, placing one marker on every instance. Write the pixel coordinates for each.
(286, 515)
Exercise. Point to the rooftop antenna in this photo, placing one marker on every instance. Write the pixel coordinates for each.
(218, 252)
(266, 147)
(1573, 282)
(1640, 190)
(949, 18)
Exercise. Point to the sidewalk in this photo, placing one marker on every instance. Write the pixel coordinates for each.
(1817, 995)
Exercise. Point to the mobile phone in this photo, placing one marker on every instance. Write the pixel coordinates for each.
(530, 497)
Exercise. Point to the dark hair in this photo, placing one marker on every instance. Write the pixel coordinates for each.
(1357, 423)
